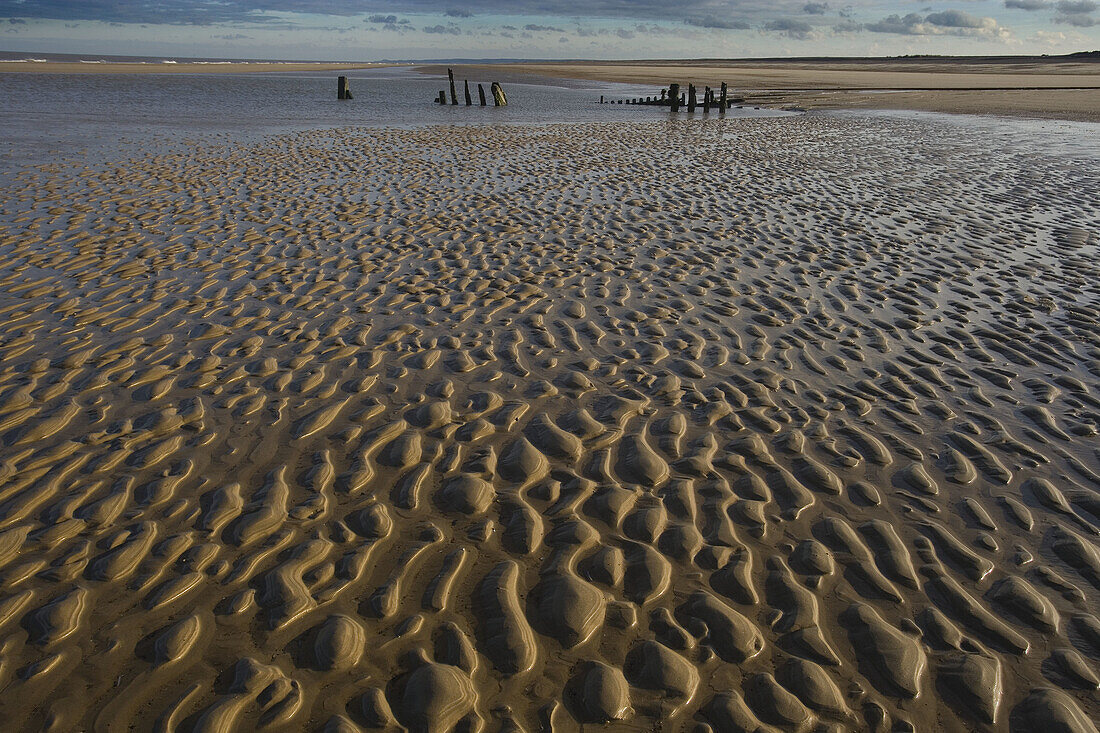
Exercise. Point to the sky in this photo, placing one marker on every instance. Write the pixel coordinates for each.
(370, 30)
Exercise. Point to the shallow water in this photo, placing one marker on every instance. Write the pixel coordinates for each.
(50, 115)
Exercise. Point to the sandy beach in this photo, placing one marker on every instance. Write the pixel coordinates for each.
(1028, 87)
(782, 424)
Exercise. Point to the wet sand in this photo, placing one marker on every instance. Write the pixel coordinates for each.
(1029, 87)
(784, 424)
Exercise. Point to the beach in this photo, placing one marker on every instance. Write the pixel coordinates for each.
(1063, 88)
(744, 423)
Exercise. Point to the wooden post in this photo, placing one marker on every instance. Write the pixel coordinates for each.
(706, 100)
(442, 97)
(451, 78)
(674, 97)
(691, 97)
(481, 94)
(722, 106)
(342, 89)
(499, 99)
(469, 101)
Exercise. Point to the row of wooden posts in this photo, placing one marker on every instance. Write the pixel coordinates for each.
(343, 91)
(499, 98)
(673, 99)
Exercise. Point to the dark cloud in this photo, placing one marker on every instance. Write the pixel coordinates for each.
(535, 28)
(1074, 7)
(452, 30)
(947, 22)
(789, 26)
(232, 36)
(1079, 21)
(815, 8)
(390, 23)
(709, 21)
(897, 24)
(1027, 4)
(954, 19)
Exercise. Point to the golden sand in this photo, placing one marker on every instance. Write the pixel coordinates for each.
(784, 424)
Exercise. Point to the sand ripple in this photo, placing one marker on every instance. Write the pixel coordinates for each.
(721, 425)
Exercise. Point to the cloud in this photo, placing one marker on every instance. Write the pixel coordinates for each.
(17, 21)
(1027, 4)
(709, 21)
(955, 19)
(1077, 20)
(1052, 38)
(268, 12)
(452, 30)
(815, 8)
(947, 22)
(386, 19)
(535, 28)
(233, 36)
(1075, 7)
(792, 28)
(897, 24)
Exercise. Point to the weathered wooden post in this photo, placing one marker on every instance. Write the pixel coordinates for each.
(663, 95)
(499, 99)
(343, 91)
(451, 78)
(724, 103)
(469, 101)
(691, 97)
(674, 96)
(706, 100)
(601, 99)
(442, 97)
(481, 94)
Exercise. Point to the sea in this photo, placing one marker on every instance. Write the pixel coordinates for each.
(45, 116)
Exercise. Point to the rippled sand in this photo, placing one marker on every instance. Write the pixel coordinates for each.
(784, 424)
